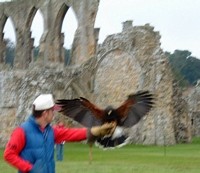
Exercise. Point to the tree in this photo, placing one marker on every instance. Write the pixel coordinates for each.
(10, 52)
(67, 56)
(185, 67)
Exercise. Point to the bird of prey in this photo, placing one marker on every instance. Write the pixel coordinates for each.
(129, 113)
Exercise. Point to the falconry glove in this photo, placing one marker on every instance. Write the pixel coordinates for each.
(100, 131)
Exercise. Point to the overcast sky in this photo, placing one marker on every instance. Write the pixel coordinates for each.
(178, 21)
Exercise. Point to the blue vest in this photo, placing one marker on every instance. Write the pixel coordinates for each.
(39, 147)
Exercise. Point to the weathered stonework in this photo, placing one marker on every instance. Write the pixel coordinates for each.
(193, 99)
(125, 63)
(22, 13)
(137, 62)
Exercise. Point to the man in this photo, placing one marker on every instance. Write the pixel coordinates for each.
(31, 145)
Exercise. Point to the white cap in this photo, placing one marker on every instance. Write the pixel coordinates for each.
(43, 102)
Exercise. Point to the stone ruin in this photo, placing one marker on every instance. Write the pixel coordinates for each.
(22, 13)
(192, 97)
(124, 63)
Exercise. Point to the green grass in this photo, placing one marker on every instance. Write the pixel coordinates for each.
(181, 158)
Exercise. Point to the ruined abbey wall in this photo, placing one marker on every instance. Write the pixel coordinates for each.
(192, 97)
(136, 62)
(124, 63)
(22, 13)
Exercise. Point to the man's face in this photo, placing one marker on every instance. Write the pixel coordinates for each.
(49, 114)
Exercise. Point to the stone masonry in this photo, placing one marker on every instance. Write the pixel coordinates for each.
(193, 99)
(124, 63)
(22, 13)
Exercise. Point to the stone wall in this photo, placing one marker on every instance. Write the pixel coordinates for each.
(18, 89)
(192, 98)
(22, 13)
(132, 61)
(125, 63)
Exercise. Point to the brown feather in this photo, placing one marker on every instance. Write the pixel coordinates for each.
(129, 113)
(96, 111)
(135, 107)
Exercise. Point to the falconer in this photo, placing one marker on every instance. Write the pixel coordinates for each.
(30, 148)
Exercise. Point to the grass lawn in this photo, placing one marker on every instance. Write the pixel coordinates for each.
(182, 158)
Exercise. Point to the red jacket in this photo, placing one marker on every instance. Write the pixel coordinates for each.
(17, 142)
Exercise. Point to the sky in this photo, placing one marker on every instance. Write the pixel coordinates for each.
(177, 21)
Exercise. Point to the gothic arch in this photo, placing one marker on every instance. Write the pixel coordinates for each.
(51, 42)
(2, 43)
(59, 36)
(2, 38)
(3, 22)
(104, 56)
(60, 17)
(122, 71)
(30, 18)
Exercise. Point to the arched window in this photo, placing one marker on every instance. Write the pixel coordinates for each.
(10, 41)
(37, 29)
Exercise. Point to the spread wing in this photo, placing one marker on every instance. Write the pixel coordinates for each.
(82, 111)
(135, 107)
